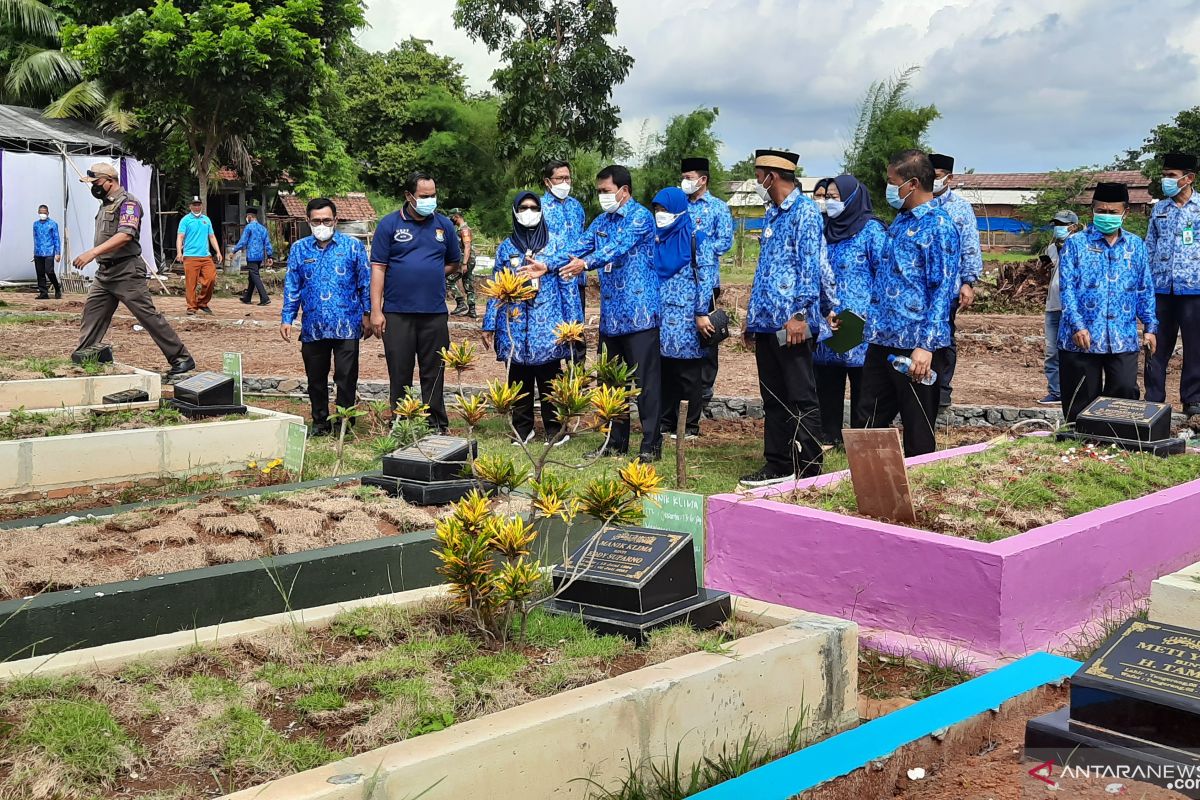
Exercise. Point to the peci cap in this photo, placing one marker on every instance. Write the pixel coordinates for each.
(1111, 193)
(776, 159)
(941, 161)
(694, 165)
(1066, 217)
(1181, 161)
(101, 169)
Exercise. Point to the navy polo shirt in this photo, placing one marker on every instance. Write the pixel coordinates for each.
(416, 255)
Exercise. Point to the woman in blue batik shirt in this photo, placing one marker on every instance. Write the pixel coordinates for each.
(523, 333)
(854, 240)
(687, 276)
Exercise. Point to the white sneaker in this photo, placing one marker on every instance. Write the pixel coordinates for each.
(762, 478)
(528, 439)
(562, 441)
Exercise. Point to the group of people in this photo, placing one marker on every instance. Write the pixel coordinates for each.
(822, 258)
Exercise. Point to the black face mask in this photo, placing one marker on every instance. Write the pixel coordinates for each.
(98, 192)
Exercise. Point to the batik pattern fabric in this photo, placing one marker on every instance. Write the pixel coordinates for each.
(1173, 246)
(1106, 288)
(711, 215)
(256, 242)
(46, 239)
(970, 265)
(686, 295)
(566, 221)
(525, 331)
(620, 246)
(793, 274)
(916, 282)
(329, 287)
(853, 262)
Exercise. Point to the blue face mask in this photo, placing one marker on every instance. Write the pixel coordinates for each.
(1061, 231)
(834, 207)
(1107, 223)
(1170, 187)
(426, 206)
(893, 197)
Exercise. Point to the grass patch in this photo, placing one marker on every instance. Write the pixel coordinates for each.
(82, 740)
(249, 743)
(1018, 485)
(21, 424)
(42, 318)
(320, 701)
(882, 676)
(490, 669)
(605, 648)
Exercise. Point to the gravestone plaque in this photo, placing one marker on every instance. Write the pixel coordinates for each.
(231, 365)
(209, 394)
(1130, 424)
(1135, 702)
(101, 354)
(433, 458)
(879, 474)
(293, 453)
(628, 581)
(682, 512)
(127, 396)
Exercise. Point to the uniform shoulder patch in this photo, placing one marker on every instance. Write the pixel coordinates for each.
(130, 213)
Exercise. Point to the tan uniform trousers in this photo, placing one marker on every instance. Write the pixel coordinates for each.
(199, 280)
(125, 282)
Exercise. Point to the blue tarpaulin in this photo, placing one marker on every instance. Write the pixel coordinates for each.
(1002, 224)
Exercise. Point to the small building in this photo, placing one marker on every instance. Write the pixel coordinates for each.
(356, 217)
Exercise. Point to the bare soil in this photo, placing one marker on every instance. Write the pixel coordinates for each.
(1000, 355)
(19, 370)
(188, 536)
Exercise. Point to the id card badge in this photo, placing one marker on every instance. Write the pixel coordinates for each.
(1189, 237)
(607, 268)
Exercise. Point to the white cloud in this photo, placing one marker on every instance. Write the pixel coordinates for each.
(1021, 85)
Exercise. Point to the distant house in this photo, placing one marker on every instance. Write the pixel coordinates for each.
(356, 216)
(748, 209)
(996, 198)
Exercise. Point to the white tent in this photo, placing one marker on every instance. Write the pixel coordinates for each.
(40, 163)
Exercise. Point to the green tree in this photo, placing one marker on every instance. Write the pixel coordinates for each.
(558, 74)
(1181, 135)
(888, 123)
(212, 79)
(1062, 191)
(34, 70)
(743, 170)
(685, 135)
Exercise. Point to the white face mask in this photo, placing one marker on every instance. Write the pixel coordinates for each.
(664, 218)
(762, 192)
(834, 208)
(561, 190)
(529, 218)
(322, 233)
(608, 201)
(820, 201)
(938, 185)
(690, 186)
(43, 217)
(196, 213)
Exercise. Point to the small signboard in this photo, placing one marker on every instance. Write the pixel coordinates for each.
(682, 512)
(293, 456)
(879, 475)
(232, 366)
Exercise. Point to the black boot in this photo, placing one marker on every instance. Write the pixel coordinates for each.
(460, 309)
(58, 292)
(471, 311)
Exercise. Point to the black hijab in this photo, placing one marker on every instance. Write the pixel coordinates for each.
(533, 239)
(855, 216)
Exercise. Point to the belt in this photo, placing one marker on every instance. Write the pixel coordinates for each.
(116, 261)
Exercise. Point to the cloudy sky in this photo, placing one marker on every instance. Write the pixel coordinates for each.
(1022, 85)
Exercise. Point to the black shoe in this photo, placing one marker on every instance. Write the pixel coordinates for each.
(471, 312)
(244, 299)
(207, 310)
(607, 452)
(1191, 411)
(57, 293)
(765, 477)
(460, 309)
(42, 296)
(181, 365)
(320, 430)
(650, 456)
(266, 302)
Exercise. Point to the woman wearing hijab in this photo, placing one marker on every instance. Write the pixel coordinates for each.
(821, 192)
(687, 275)
(854, 239)
(523, 333)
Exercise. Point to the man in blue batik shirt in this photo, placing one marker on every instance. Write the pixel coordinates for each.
(970, 265)
(256, 241)
(47, 251)
(329, 284)
(911, 299)
(1106, 287)
(784, 321)
(712, 217)
(620, 244)
(1173, 247)
(566, 221)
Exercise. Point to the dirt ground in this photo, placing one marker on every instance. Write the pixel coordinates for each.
(1000, 355)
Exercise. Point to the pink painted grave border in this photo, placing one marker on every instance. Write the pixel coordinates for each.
(1047, 588)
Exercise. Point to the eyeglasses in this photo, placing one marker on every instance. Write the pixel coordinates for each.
(328, 221)
(527, 208)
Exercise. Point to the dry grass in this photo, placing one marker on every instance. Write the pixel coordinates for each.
(404, 516)
(335, 507)
(356, 526)
(232, 552)
(236, 525)
(175, 559)
(173, 532)
(295, 521)
(295, 543)
(133, 521)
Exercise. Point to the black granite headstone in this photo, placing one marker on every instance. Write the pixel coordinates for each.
(101, 354)
(1135, 703)
(127, 396)
(209, 394)
(427, 493)
(1131, 424)
(629, 581)
(433, 458)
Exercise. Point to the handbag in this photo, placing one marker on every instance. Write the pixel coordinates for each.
(717, 316)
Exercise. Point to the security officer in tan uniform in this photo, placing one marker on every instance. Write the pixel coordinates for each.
(121, 276)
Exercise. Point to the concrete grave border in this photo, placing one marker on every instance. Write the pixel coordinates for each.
(1175, 598)
(31, 469)
(78, 393)
(946, 599)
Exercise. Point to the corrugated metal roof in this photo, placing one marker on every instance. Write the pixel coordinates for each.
(18, 122)
(352, 207)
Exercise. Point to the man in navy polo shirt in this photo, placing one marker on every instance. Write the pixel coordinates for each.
(412, 252)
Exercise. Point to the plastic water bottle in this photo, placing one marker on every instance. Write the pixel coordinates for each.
(903, 365)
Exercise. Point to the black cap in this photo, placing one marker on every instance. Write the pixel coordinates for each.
(1181, 161)
(252, 210)
(694, 165)
(941, 161)
(1111, 193)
